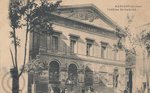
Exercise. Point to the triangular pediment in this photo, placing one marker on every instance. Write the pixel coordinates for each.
(89, 14)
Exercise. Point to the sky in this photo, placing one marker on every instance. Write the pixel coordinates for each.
(140, 16)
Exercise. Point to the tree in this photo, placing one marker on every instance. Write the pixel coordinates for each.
(144, 41)
(27, 14)
(130, 52)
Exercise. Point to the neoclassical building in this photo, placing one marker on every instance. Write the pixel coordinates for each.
(80, 53)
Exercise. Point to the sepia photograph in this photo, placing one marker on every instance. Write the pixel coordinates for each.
(74, 46)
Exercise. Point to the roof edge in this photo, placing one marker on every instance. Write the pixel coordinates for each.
(102, 15)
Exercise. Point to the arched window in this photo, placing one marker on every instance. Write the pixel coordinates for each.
(88, 77)
(54, 72)
(72, 74)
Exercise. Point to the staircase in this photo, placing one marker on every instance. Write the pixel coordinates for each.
(105, 90)
(105, 82)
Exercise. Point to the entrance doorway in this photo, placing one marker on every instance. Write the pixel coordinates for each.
(130, 81)
(54, 72)
(72, 74)
(88, 77)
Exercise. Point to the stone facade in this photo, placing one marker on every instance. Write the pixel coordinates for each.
(80, 53)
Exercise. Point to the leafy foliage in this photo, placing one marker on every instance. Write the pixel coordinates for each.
(119, 45)
(14, 14)
(30, 15)
(125, 34)
(145, 40)
(36, 66)
(130, 53)
(40, 17)
(34, 17)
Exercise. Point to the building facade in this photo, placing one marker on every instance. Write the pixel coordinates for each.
(79, 54)
(143, 66)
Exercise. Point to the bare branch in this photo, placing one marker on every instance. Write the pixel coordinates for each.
(12, 58)
(25, 49)
(15, 46)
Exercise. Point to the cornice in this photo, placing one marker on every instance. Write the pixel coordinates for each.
(103, 61)
(92, 25)
(101, 14)
(77, 25)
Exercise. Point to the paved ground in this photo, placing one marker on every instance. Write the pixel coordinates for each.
(100, 90)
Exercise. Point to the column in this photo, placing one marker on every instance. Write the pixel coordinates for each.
(33, 88)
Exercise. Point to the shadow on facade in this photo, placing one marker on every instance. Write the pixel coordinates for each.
(67, 71)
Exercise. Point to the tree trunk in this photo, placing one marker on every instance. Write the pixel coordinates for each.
(147, 72)
(147, 77)
(15, 80)
(15, 88)
(130, 81)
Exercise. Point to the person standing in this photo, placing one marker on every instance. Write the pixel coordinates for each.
(136, 90)
(63, 91)
(139, 91)
(83, 90)
(50, 89)
(126, 90)
(89, 90)
(58, 90)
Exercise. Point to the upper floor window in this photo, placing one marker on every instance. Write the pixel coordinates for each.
(88, 49)
(73, 43)
(55, 42)
(115, 54)
(103, 49)
(73, 46)
(89, 46)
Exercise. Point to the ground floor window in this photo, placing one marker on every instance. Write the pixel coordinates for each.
(54, 72)
(88, 78)
(72, 74)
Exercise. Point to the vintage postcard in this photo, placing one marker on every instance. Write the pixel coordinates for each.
(74, 46)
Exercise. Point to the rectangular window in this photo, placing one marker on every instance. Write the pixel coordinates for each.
(72, 45)
(115, 55)
(88, 49)
(89, 46)
(103, 50)
(54, 42)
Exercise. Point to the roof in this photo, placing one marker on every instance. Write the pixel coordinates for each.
(106, 22)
